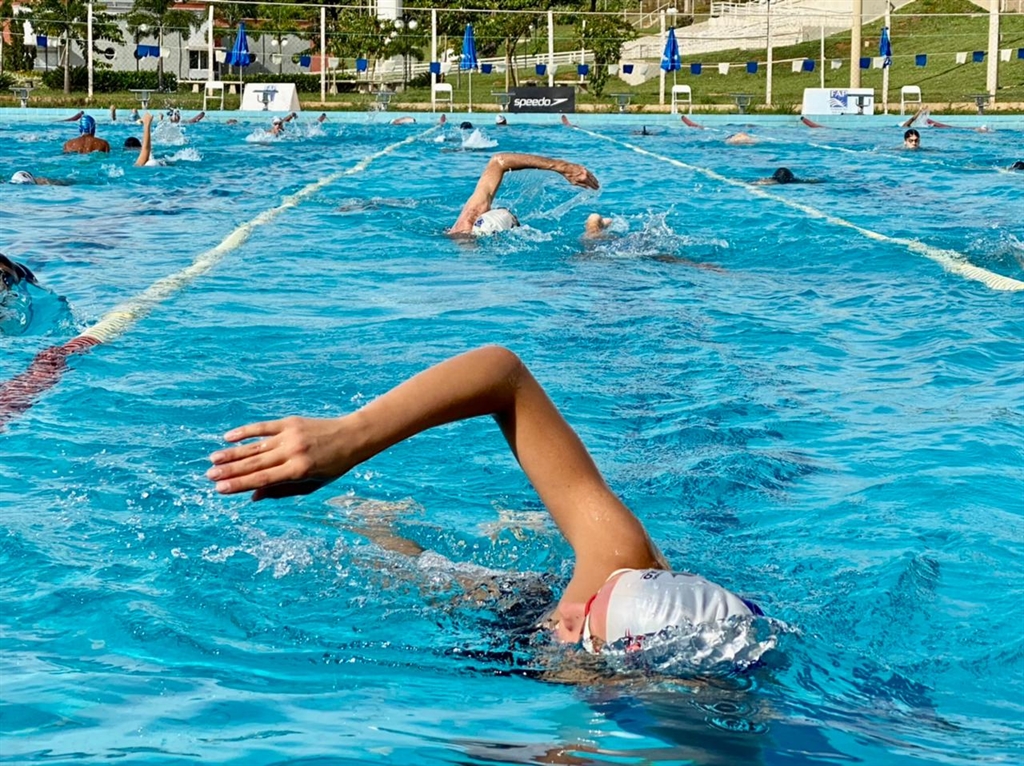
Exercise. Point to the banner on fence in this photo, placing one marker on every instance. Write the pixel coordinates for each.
(561, 99)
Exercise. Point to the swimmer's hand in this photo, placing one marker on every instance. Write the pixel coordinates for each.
(578, 175)
(293, 456)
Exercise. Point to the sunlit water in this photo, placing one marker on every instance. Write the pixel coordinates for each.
(825, 423)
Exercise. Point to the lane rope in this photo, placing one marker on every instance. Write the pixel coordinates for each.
(19, 393)
(951, 260)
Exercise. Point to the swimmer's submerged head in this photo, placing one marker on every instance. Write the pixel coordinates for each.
(494, 220)
(12, 272)
(783, 176)
(132, 143)
(643, 602)
(23, 177)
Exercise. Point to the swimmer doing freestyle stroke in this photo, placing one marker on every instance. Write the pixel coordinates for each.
(622, 590)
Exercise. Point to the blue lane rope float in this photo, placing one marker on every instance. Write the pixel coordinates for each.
(952, 261)
(47, 368)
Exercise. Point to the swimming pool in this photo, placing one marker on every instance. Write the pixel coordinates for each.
(826, 421)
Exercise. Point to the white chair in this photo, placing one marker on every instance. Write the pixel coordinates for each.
(210, 88)
(906, 96)
(442, 92)
(678, 91)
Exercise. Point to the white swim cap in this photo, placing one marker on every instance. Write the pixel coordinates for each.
(276, 121)
(493, 221)
(647, 601)
(22, 177)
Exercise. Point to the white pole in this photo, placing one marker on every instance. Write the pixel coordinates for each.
(209, 47)
(885, 70)
(821, 74)
(323, 54)
(856, 22)
(88, 42)
(433, 57)
(661, 71)
(551, 49)
(768, 30)
(992, 81)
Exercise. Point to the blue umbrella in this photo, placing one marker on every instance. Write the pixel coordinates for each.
(885, 48)
(469, 60)
(670, 60)
(239, 54)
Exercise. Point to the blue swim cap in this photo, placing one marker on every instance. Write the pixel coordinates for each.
(87, 125)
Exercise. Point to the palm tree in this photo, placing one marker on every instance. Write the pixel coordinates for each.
(68, 20)
(156, 17)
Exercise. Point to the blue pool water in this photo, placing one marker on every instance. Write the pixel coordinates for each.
(825, 422)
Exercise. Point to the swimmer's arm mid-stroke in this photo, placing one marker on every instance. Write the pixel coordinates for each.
(147, 140)
(299, 455)
(482, 198)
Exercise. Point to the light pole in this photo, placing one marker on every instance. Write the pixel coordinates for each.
(278, 55)
(405, 22)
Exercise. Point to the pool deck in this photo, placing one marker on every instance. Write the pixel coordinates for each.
(31, 115)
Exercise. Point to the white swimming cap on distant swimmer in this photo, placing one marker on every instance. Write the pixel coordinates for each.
(22, 177)
(493, 221)
(647, 601)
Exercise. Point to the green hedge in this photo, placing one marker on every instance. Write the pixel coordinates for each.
(108, 81)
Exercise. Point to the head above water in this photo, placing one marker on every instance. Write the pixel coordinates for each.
(23, 177)
(783, 176)
(500, 120)
(1018, 165)
(466, 125)
(634, 603)
(11, 273)
(494, 220)
(912, 138)
(132, 143)
(87, 126)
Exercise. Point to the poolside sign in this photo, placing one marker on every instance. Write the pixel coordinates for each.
(560, 99)
(838, 101)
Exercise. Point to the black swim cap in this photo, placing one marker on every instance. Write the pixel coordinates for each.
(12, 272)
(467, 125)
(783, 176)
(1018, 165)
(132, 143)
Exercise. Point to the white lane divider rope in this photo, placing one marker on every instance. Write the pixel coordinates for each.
(951, 260)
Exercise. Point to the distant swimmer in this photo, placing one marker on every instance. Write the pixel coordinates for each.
(644, 132)
(1018, 165)
(322, 118)
(810, 123)
(197, 118)
(24, 177)
(86, 141)
(500, 120)
(479, 218)
(912, 139)
(785, 176)
(740, 139)
(277, 124)
(404, 120)
(690, 123)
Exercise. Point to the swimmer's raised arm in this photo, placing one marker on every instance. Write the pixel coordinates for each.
(482, 198)
(299, 455)
(147, 140)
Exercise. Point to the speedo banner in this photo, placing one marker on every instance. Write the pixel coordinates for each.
(561, 99)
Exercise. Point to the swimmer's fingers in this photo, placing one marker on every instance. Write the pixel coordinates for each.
(265, 428)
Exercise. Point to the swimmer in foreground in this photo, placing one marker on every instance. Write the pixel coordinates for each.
(15, 300)
(145, 150)
(622, 589)
(1018, 165)
(740, 139)
(24, 177)
(86, 141)
(478, 217)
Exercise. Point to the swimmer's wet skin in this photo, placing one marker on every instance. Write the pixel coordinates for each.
(620, 586)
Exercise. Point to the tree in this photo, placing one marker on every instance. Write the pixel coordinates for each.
(277, 21)
(605, 35)
(68, 20)
(156, 17)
